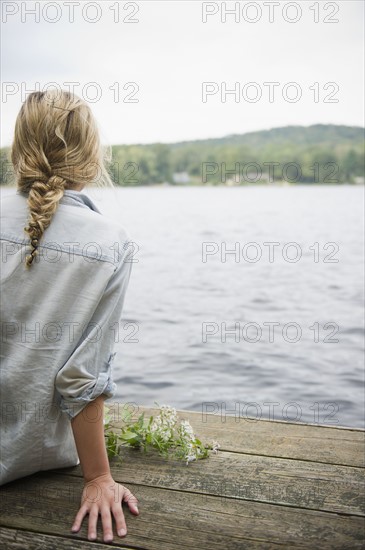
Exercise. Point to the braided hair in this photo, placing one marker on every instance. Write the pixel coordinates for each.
(43, 199)
(56, 146)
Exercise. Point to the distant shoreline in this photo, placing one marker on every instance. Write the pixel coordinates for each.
(322, 154)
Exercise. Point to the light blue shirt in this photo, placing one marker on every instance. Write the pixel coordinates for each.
(58, 322)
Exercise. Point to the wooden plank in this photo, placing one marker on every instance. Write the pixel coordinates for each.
(265, 479)
(16, 539)
(296, 483)
(329, 445)
(47, 503)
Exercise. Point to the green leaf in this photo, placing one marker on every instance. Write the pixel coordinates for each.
(128, 435)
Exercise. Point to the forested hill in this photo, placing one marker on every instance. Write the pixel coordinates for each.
(322, 153)
(318, 134)
(296, 154)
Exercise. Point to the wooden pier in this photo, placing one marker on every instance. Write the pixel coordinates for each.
(272, 485)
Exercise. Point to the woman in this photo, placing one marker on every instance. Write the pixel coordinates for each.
(65, 272)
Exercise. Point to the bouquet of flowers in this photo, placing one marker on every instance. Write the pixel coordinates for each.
(164, 433)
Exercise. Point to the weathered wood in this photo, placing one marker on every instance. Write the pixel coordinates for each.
(272, 484)
(15, 539)
(296, 483)
(329, 445)
(45, 503)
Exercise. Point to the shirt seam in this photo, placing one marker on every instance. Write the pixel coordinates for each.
(77, 252)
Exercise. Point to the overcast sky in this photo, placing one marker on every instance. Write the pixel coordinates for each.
(169, 52)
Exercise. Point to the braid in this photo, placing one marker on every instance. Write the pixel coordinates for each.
(56, 146)
(43, 199)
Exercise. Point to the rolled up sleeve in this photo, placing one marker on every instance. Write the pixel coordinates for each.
(87, 374)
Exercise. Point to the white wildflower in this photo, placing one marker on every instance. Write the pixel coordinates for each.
(187, 431)
(168, 416)
(188, 439)
(164, 423)
(190, 458)
(215, 447)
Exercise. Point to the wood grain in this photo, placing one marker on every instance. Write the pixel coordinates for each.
(302, 484)
(300, 441)
(272, 485)
(15, 539)
(169, 519)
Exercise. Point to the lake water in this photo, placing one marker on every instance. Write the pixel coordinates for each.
(267, 338)
(238, 332)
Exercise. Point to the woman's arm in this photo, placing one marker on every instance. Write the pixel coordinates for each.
(88, 430)
(101, 494)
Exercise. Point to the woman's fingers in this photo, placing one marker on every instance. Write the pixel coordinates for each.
(106, 520)
(109, 501)
(119, 519)
(131, 500)
(79, 519)
(93, 520)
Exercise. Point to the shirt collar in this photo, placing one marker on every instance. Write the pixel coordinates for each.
(71, 196)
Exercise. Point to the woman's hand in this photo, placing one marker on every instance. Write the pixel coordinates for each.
(102, 495)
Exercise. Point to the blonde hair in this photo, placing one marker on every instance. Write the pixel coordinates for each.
(56, 146)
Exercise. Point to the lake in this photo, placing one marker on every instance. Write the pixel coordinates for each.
(272, 329)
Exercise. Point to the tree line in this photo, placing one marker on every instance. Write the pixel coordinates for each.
(324, 154)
